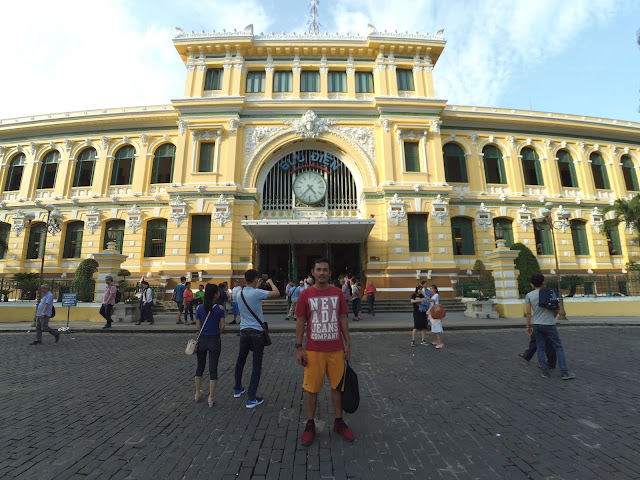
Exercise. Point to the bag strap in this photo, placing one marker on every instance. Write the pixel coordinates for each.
(249, 308)
(205, 322)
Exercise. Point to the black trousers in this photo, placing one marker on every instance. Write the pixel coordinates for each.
(528, 354)
(105, 311)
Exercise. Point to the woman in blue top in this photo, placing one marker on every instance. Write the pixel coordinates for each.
(209, 340)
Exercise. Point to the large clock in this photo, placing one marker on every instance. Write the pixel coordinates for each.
(310, 187)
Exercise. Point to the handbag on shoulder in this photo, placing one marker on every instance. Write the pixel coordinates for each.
(192, 345)
(438, 312)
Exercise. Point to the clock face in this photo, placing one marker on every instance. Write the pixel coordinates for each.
(309, 187)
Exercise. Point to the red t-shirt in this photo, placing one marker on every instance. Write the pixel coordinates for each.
(370, 290)
(187, 295)
(322, 309)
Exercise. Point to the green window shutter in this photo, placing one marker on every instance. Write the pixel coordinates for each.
(539, 179)
(156, 238)
(501, 172)
(310, 82)
(411, 157)
(73, 240)
(572, 171)
(486, 170)
(579, 235)
(418, 233)
(337, 82)
(5, 229)
(364, 82)
(200, 233)
(163, 162)
(207, 152)
(84, 168)
(118, 226)
(615, 246)
(405, 79)
(36, 240)
(48, 170)
(544, 240)
(123, 163)
(255, 82)
(213, 79)
(629, 174)
(283, 82)
(462, 233)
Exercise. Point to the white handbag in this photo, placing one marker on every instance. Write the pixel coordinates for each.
(192, 345)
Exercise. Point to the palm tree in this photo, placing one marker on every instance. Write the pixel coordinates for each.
(627, 211)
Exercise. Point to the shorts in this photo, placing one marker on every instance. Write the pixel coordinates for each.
(420, 320)
(320, 364)
(436, 326)
(180, 306)
(234, 309)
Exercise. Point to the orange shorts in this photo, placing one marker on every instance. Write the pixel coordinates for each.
(320, 364)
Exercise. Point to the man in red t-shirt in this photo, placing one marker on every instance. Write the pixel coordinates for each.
(322, 309)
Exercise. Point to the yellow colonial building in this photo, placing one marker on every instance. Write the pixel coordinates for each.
(284, 148)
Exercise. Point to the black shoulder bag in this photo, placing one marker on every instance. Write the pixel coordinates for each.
(264, 325)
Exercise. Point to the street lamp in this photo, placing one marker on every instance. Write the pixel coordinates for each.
(499, 232)
(546, 220)
(52, 227)
(112, 237)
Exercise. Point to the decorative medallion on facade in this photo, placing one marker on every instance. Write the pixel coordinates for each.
(435, 126)
(182, 126)
(474, 139)
(597, 219)
(144, 139)
(178, 211)
(525, 218)
(386, 125)
(206, 135)
(562, 223)
(397, 211)
(222, 211)
(134, 219)
(440, 209)
(19, 223)
(67, 145)
(33, 146)
(483, 217)
(93, 220)
(105, 142)
(310, 125)
(233, 125)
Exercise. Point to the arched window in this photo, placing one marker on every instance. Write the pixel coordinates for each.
(507, 228)
(566, 169)
(5, 229)
(36, 240)
(531, 167)
(84, 168)
(73, 240)
(156, 238)
(122, 173)
(613, 240)
(599, 171)
(162, 171)
(49, 169)
(14, 174)
(455, 165)
(118, 229)
(579, 235)
(629, 174)
(462, 233)
(493, 165)
(544, 239)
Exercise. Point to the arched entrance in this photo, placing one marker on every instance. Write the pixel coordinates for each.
(309, 208)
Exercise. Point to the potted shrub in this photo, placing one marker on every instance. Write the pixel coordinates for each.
(482, 306)
(5, 294)
(83, 283)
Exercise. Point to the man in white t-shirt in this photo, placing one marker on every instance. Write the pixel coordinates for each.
(251, 333)
(235, 296)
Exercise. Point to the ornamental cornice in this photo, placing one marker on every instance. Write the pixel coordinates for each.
(222, 211)
(483, 217)
(178, 211)
(310, 125)
(440, 209)
(397, 211)
(206, 135)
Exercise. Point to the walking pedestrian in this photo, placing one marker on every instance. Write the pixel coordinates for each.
(531, 350)
(210, 324)
(187, 302)
(356, 302)
(43, 314)
(419, 316)
(252, 334)
(287, 290)
(346, 292)
(235, 296)
(436, 323)
(146, 304)
(293, 297)
(322, 309)
(178, 297)
(370, 291)
(108, 300)
(544, 327)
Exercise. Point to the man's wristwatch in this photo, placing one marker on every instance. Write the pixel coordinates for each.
(298, 345)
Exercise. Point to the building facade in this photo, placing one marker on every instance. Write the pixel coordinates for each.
(289, 147)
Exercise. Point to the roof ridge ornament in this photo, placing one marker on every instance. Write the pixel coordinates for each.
(310, 125)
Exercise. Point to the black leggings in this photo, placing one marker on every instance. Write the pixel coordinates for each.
(211, 345)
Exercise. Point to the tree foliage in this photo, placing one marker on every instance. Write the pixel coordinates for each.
(83, 283)
(527, 264)
(627, 211)
(28, 284)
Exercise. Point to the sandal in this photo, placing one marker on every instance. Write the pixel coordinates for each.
(441, 345)
(210, 401)
(137, 323)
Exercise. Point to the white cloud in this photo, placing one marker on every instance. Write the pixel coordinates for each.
(487, 42)
(83, 54)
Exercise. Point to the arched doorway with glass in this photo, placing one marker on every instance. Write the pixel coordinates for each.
(309, 209)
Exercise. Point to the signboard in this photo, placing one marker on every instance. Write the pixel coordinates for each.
(69, 299)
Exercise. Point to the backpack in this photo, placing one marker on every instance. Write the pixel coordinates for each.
(548, 299)
(118, 296)
(351, 393)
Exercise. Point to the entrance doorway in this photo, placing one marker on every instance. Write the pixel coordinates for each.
(294, 261)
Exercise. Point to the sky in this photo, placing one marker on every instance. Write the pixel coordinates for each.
(564, 56)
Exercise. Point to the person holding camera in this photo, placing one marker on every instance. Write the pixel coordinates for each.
(251, 332)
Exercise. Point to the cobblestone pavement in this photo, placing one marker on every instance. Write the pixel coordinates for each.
(121, 406)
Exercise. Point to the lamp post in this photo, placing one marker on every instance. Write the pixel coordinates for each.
(499, 232)
(545, 220)
(112, 236)
(52, 227)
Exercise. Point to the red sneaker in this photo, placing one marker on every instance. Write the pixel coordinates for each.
(341, 427)
(309, 433)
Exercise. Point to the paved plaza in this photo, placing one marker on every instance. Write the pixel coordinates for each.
(120, 406)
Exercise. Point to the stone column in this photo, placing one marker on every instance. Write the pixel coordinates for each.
(109, 263)
(508, 303)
